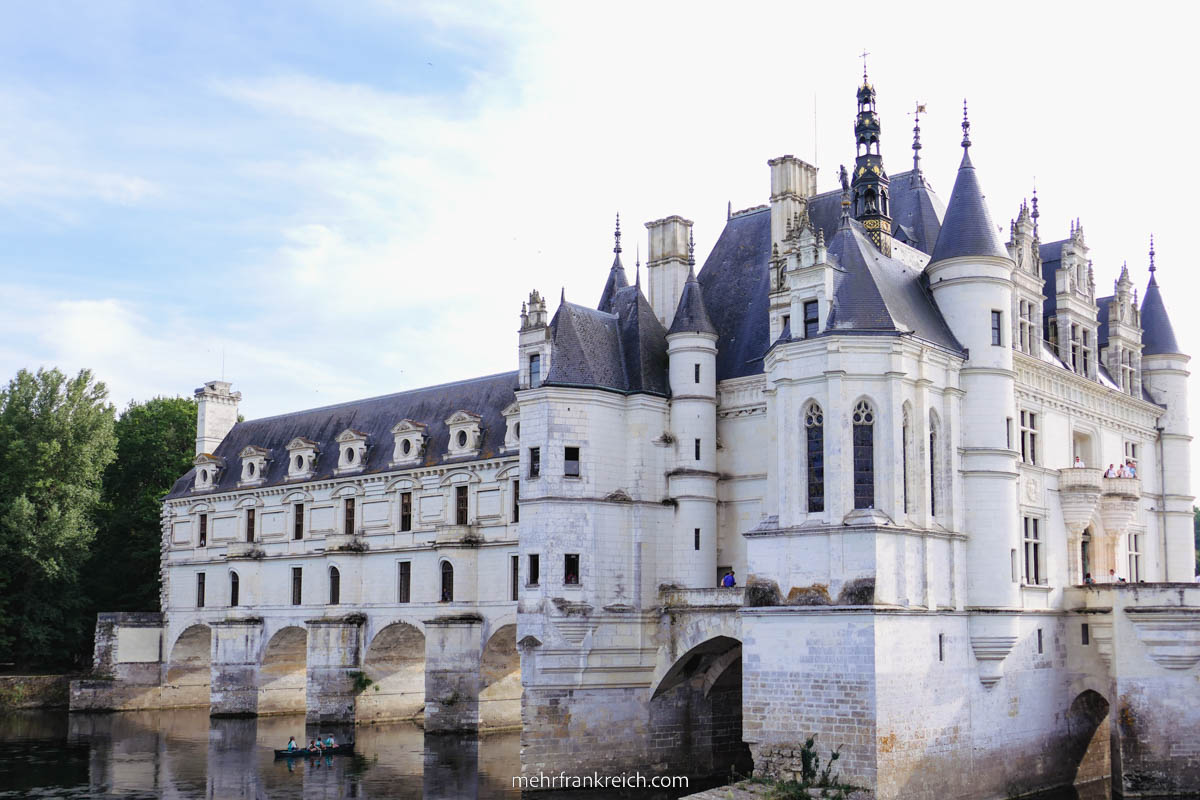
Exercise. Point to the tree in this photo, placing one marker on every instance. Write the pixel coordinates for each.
(155, 444)
(56, 438)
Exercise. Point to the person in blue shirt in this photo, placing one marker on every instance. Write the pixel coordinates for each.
(729, 580)
(329, 741)
(291, 743)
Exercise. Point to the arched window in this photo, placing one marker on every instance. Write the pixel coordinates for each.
(447, 582)
(335, 586)
(814, 428)
(906, 439)
(934, 470)
(233, 589)
(864, 455)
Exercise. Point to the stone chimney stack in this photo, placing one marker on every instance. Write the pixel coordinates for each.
(792, 182)
(216, 414)
(667, 265)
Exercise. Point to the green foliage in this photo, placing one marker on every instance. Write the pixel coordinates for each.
(361, 682)
(56, 438)
(812, 776)
(155, 444)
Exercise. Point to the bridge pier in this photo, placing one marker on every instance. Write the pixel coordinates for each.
(334, 645)
(234, 682)
(453, 655)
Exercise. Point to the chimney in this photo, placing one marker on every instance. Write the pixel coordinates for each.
(792, 182)
(667, 265)
(216, 414)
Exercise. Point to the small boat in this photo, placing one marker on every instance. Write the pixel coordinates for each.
(343, 749)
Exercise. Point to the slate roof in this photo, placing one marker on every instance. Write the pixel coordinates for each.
(487, 397)
(624, 350)
(967, 228)
(735, 282)
(691, 316)
(616, 280)
(916, 211)
(1158, 335)
(1102, 303)
(1051, 255)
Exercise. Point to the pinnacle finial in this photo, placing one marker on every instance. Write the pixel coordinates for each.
(916, 145)
(691, 250)
(966, 126)
(562, 298)
(617, 235)
(1152, 267)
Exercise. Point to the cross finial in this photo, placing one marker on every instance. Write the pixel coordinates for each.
(617, 235)
(966, 126)
(863, 56)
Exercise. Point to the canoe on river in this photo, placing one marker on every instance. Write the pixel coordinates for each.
(340, 750)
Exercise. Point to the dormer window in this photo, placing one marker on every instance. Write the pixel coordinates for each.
(254, 465)
(208, 471)
(408, 442)
(302, 457)
(512, 426)
(352, 451)
(465, 434)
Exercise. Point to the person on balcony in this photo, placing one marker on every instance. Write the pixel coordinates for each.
(1111, 472)
(1078, 462)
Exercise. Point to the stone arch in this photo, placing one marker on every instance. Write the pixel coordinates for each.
(395, 665)
(500, 680)
(283, 672)
(696, 709)
(189, 668)
(1088, 743)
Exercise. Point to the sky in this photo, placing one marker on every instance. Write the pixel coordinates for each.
(324, 201)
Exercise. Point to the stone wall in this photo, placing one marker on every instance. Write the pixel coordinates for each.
(34, 691)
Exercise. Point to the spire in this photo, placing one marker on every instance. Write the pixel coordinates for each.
(691, 253)
(1158, 335)
(916, 145)
(616, 275)
(871, 187)
(1035, 213)
(967, 228)
(617, 236)
(691, 316)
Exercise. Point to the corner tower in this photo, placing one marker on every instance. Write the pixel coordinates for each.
(870, 187)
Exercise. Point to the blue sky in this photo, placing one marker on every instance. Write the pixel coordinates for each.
(343, 200)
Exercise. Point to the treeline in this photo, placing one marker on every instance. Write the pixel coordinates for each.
(80, 498)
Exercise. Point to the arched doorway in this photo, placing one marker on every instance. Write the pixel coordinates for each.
(395, 665)
(283, 674)
(697, 707)
(189, 670)
(1089, 740)
(500, 680)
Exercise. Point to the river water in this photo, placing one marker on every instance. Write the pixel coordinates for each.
(184, 754)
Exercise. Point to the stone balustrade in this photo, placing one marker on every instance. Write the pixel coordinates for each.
(715, 597)
(1080, 479)
(243, 550)
(457, 534)
(345, 542)
(1130, 488)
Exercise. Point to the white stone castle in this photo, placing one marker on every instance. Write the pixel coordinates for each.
(894, 431)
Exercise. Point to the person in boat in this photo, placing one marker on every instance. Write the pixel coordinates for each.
(291, 745)
(313, 746)
(330, 744)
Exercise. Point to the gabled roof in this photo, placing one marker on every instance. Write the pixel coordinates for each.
(375, 417)
(1158, 335)
(967, 229)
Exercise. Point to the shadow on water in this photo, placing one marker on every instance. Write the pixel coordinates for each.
(183, 754)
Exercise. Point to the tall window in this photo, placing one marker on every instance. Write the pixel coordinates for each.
(204, 530)
(535, 461)
(933, 464)
(696, 542)
(335, 586)
(697, 373)
(1029, 436)
(515, 576)
(814, 429)
(810, 318)
(535, 371)
(905, 442)
(297, 585)
(1135, 557)
(298, 521)
(864, 455)
(1075, 348)
(1131, 452)
(406, 511)
(349, 521)
(1033, 551)
(997, 322)
(1087, 350)
(460, 505)
(234, 589)
(249, 524)
(571, 462)
(534, 569)
(697, 450)
(404, 582)
(199, 590)
(447, 582)
(571, 569)
(516, 501)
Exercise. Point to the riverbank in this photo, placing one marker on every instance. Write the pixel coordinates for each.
(760, 790)
(22, 692)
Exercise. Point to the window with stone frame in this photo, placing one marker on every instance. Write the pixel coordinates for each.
(297, 585)
(1034, 572)
(348, 524)
(864, 455)
(250, 520)
(811, 318)
(447, 594)
(535, 462)
(1029, 437)
(298, 521)
(1131, 452)
(516, 501)
(460, 505)
(906, 439)
(935, 465)
(571, 462)
(814, 431)
(234, 589)
(199, 590)
(534, 569)
(404, 582)
(406, 511)
(1075, 348)
(571, 569)
(535, 371)
(1134, 548)
(514, 577)
(997, 328)
(335, 586)
(204, 530)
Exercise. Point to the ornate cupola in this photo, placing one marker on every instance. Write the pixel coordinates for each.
(869, 186)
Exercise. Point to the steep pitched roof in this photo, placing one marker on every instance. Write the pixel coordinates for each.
(691, 316)
(916, 211)
(431, 406)
(967, 228)
(616, 280)
(1158, 335)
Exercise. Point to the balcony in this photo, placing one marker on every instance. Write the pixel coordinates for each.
(1118, 505)
(235, 550)
(715, 597)
(1079, 490)
(457, 534)
(345, 543)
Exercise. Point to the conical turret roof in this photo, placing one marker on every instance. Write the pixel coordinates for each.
(691, 316)
(1158, 336)
(967, 228)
